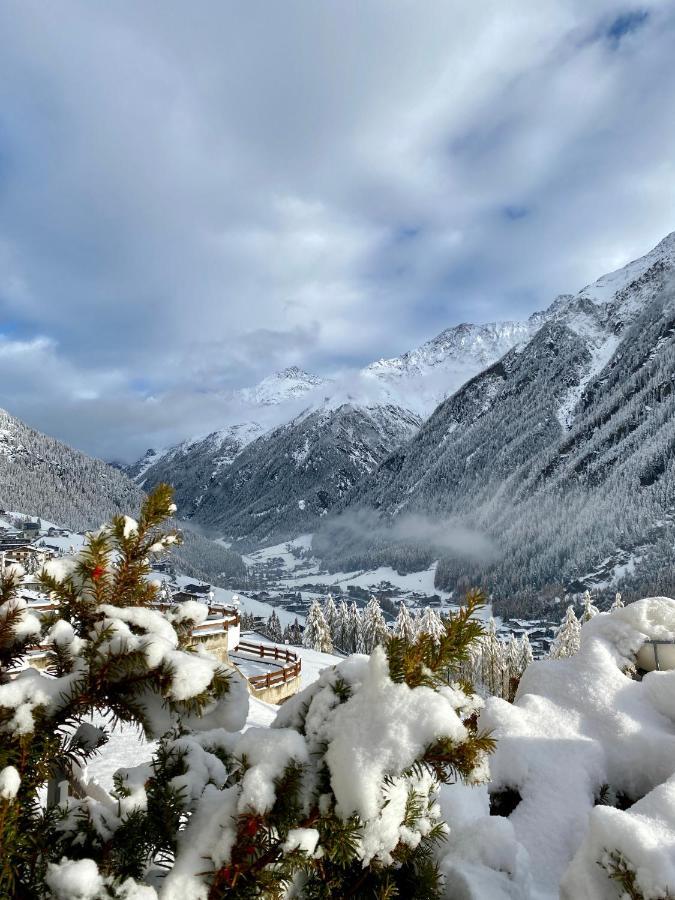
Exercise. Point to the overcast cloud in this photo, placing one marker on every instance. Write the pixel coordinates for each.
(193, 195)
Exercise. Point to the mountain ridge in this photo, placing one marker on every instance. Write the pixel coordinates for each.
(540, 450)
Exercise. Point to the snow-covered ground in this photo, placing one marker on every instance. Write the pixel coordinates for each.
(313, 662)
(590, 753)
(413, 582)
(74, 540)
(283, 552)
(301, 571)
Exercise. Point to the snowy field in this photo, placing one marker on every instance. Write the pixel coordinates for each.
(301, 571)
(413, 582)
(282, 552)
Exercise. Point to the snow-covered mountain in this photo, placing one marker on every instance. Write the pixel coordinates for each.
(522, 387)
(44, 477)
(415, 383)
(423, 377)
(562, 452)
(281, 484)
(289, 384)
(284, 483)
(192, 466)
(274, 400)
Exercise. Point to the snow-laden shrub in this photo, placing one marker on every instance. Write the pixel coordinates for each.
(582, 733)
(106, 652)
(340, 797)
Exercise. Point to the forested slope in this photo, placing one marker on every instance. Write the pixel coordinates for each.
(563, 454)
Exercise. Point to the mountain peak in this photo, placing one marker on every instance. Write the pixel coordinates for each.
(288, 384)
(606, 288)
(461, 347)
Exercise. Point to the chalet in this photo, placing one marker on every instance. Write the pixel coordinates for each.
(31, 530)
(200, 592)
(27, 555)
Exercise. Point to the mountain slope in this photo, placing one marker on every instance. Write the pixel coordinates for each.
(422, 378)
(410, 386)
(280, 485)
(42, 476)
(191, 466)
(563, 452)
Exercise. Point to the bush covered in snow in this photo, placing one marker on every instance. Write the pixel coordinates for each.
(106, 651)
(587, 754)
(373, 782)
(340, 797)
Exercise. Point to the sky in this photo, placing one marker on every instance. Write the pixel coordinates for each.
(193, 196)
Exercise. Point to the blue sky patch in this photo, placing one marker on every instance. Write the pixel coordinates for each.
(625, 24)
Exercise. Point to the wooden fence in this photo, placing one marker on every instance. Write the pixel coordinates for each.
(270, 651)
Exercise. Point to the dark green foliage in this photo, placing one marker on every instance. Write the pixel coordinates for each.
(111, 570)
(623, 873)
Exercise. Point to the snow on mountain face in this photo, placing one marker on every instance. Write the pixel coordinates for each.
(282, 391)
(44, 477)
(289, 384)
(602, 311)
(283, 483)
(420, 379)
(465, 345)
(191, 466)
(427, 375)
(138, 469)
(563, 452)
(609, 287)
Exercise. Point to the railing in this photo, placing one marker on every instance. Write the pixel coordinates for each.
(270, 651)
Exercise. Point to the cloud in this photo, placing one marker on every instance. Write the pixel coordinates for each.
(364, 528)
(190, 199)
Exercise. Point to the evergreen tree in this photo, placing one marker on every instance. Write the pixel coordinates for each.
(494, 667)
(296, 632)
(343, 631)
(317, 634)
(526, 655)
(589, 610)
(356, 640)
(567, 637)
(106, 651)
(330, 614)
(403, 626)
(375, 629)
(431, 623)
(273, 628)
(618, 601)
(246, 621)
(513, 658)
